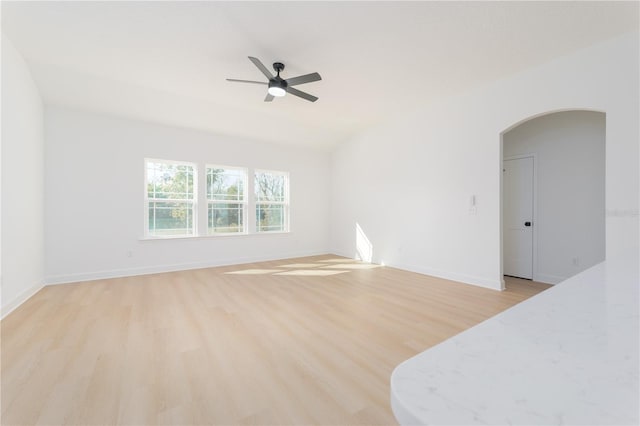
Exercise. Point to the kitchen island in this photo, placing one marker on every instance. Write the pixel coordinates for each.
(566, 356)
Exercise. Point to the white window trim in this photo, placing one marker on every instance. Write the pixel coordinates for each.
(285, 203)
(194, 201)
(244, 202)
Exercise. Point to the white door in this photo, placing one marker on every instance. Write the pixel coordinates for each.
(517, 222)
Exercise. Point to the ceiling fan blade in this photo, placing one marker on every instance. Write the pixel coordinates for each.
(261, 67)
(308, 78)
(268, 98)
(246, 81)
(301, 94)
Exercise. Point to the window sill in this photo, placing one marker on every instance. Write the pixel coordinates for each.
(213, 237)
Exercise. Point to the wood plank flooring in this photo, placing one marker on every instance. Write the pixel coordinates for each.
(265, 343)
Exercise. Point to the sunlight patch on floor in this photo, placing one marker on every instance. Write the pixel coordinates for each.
(325, 267)
(255, 271)
(311, 272)
(299, 265)
(353, 266)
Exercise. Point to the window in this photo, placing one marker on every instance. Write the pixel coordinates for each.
(226, 199)
(170, 198)
(172, 195)
(272, 201)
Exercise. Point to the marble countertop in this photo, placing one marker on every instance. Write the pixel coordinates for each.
(566, 356)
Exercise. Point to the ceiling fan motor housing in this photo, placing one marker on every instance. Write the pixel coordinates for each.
(278, 82)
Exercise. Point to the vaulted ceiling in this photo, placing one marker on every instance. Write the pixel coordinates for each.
(167, 62)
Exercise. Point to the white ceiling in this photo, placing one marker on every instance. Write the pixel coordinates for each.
(167, 61)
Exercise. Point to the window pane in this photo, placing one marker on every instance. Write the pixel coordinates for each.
(225, 218)
(225, 184)
(167, 218)
(172, 181)
(269, 217)
(270, 186)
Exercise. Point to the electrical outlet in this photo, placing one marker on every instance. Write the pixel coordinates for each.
(129, 253)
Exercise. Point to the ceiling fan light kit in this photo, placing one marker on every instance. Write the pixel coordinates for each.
(277, 86)
(276, 90)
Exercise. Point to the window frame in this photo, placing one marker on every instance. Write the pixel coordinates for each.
(286, 203)
(245, 201)
(193, 201)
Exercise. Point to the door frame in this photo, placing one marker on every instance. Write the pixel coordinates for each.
(534, 219)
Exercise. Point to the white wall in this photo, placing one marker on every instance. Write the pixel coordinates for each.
(95, 188)
(569, 150)
(22, 181)
(408, 183)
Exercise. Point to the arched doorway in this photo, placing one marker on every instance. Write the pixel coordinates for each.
(553, 196)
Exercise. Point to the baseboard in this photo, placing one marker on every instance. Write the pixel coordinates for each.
(158, 269)
(548, 279)
(20, 299)
(453, 276)
(497, 284)
(341, 253)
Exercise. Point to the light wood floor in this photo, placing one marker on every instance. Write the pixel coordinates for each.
(213, 347)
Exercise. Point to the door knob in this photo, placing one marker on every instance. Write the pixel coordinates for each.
(527, 224)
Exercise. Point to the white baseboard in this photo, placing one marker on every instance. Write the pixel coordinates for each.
(130, 272)
(548, 279)
(453, 276)
(342, 253)
(20, 299)
(497, 284)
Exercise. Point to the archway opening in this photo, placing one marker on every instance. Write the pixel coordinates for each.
(552, 190)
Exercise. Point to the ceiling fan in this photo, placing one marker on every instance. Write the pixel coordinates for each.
(279, 86)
